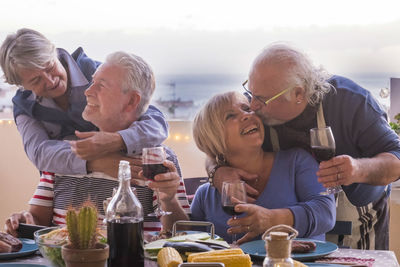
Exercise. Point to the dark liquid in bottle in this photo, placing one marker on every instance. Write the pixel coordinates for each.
(126, 244)
(231, 210)
(151, 170)
(323, 153)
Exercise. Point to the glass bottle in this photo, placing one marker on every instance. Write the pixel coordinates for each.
(278, 247)
(124, 218)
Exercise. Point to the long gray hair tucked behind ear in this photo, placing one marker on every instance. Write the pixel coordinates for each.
(300, 70)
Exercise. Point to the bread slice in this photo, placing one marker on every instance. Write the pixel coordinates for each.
(14, 242)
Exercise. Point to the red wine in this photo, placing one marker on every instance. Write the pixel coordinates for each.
(151, 170)
(231, 210)
(126, 244)
(323, 153)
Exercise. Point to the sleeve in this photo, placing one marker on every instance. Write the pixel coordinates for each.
(44, 153)
(372, 135)
(314, 214)
(150, 130)
(197, 206)
(44, 193)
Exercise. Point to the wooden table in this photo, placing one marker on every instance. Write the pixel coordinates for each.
(383, 258)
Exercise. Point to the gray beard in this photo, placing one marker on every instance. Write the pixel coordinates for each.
(270, 121)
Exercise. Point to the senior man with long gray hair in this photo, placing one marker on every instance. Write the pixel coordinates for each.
(48, 108)
(292, 96)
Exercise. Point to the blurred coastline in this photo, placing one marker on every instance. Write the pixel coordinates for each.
(179, 97)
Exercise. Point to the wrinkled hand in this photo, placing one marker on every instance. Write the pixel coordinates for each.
(12, 223)
(257, 221)
(166, 183)
(94, 145)
(224, 174)
(109, 165)
(340, 170)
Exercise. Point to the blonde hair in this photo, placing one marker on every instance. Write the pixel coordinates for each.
(208, 125)
(26, 48)
(300, 70)
(139, 77)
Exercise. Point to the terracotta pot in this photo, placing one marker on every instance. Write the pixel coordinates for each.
(96, 257)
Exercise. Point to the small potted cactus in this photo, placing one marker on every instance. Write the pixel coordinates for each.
(83, 249)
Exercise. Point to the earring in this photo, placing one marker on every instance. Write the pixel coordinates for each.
(221, 160)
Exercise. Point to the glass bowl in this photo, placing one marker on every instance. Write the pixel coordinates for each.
(50, 244)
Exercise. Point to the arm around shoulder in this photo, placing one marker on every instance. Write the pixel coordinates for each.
(150, 130)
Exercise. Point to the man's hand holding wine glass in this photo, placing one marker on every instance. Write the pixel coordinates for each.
(166, 183)
(340, 170)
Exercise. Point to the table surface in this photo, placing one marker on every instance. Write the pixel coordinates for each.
(382, 258)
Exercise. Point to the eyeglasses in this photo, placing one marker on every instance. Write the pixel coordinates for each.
(250, 95)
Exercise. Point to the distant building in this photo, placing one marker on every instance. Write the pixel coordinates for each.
(394, 98)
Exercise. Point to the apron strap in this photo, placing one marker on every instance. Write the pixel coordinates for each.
(274, 135)
(320, 117)
(274, 139)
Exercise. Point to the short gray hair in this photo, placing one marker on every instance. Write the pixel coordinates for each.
(208, 125)
(26, 48)
(139, 77)
(300, 70)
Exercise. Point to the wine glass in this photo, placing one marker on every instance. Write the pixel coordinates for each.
(233, 193)
(152, 163)
(323, 148)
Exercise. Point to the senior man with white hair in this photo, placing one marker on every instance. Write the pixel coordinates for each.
(117, 98)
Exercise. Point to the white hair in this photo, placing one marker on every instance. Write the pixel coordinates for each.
(26, 48)
(300, 70)
(139, 77)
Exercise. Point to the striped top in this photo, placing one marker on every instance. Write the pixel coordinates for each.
(62, 191)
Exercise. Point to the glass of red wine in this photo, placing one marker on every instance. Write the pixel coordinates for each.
(233, 193)
(152, 162)
(323, 148)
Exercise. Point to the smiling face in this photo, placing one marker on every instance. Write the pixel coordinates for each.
(51, 82)
(242, 127)
(268, 80)
(106, 102)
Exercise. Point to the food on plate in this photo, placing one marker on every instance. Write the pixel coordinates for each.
(169, 257)
(303, 246)
(183, 247)
(8, 243)
(229, 257)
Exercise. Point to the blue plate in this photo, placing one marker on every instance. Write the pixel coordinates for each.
(28, 247)
(256, 249)
(21, 265)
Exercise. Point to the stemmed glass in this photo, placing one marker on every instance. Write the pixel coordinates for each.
(323, 148)
(152, 160)
(233, 193)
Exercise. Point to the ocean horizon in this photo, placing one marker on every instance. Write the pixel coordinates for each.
(180, 96)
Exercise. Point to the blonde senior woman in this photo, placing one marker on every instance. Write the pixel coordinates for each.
(228, 131)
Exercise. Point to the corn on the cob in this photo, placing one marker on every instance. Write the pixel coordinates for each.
(235, 260)
(231, 251)
(299, 264)
(168, 257)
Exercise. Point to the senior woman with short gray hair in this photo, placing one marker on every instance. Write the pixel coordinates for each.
(229, 132)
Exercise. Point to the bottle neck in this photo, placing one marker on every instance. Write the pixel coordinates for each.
(279, 248)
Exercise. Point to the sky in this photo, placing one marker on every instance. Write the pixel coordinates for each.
(219, 36)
